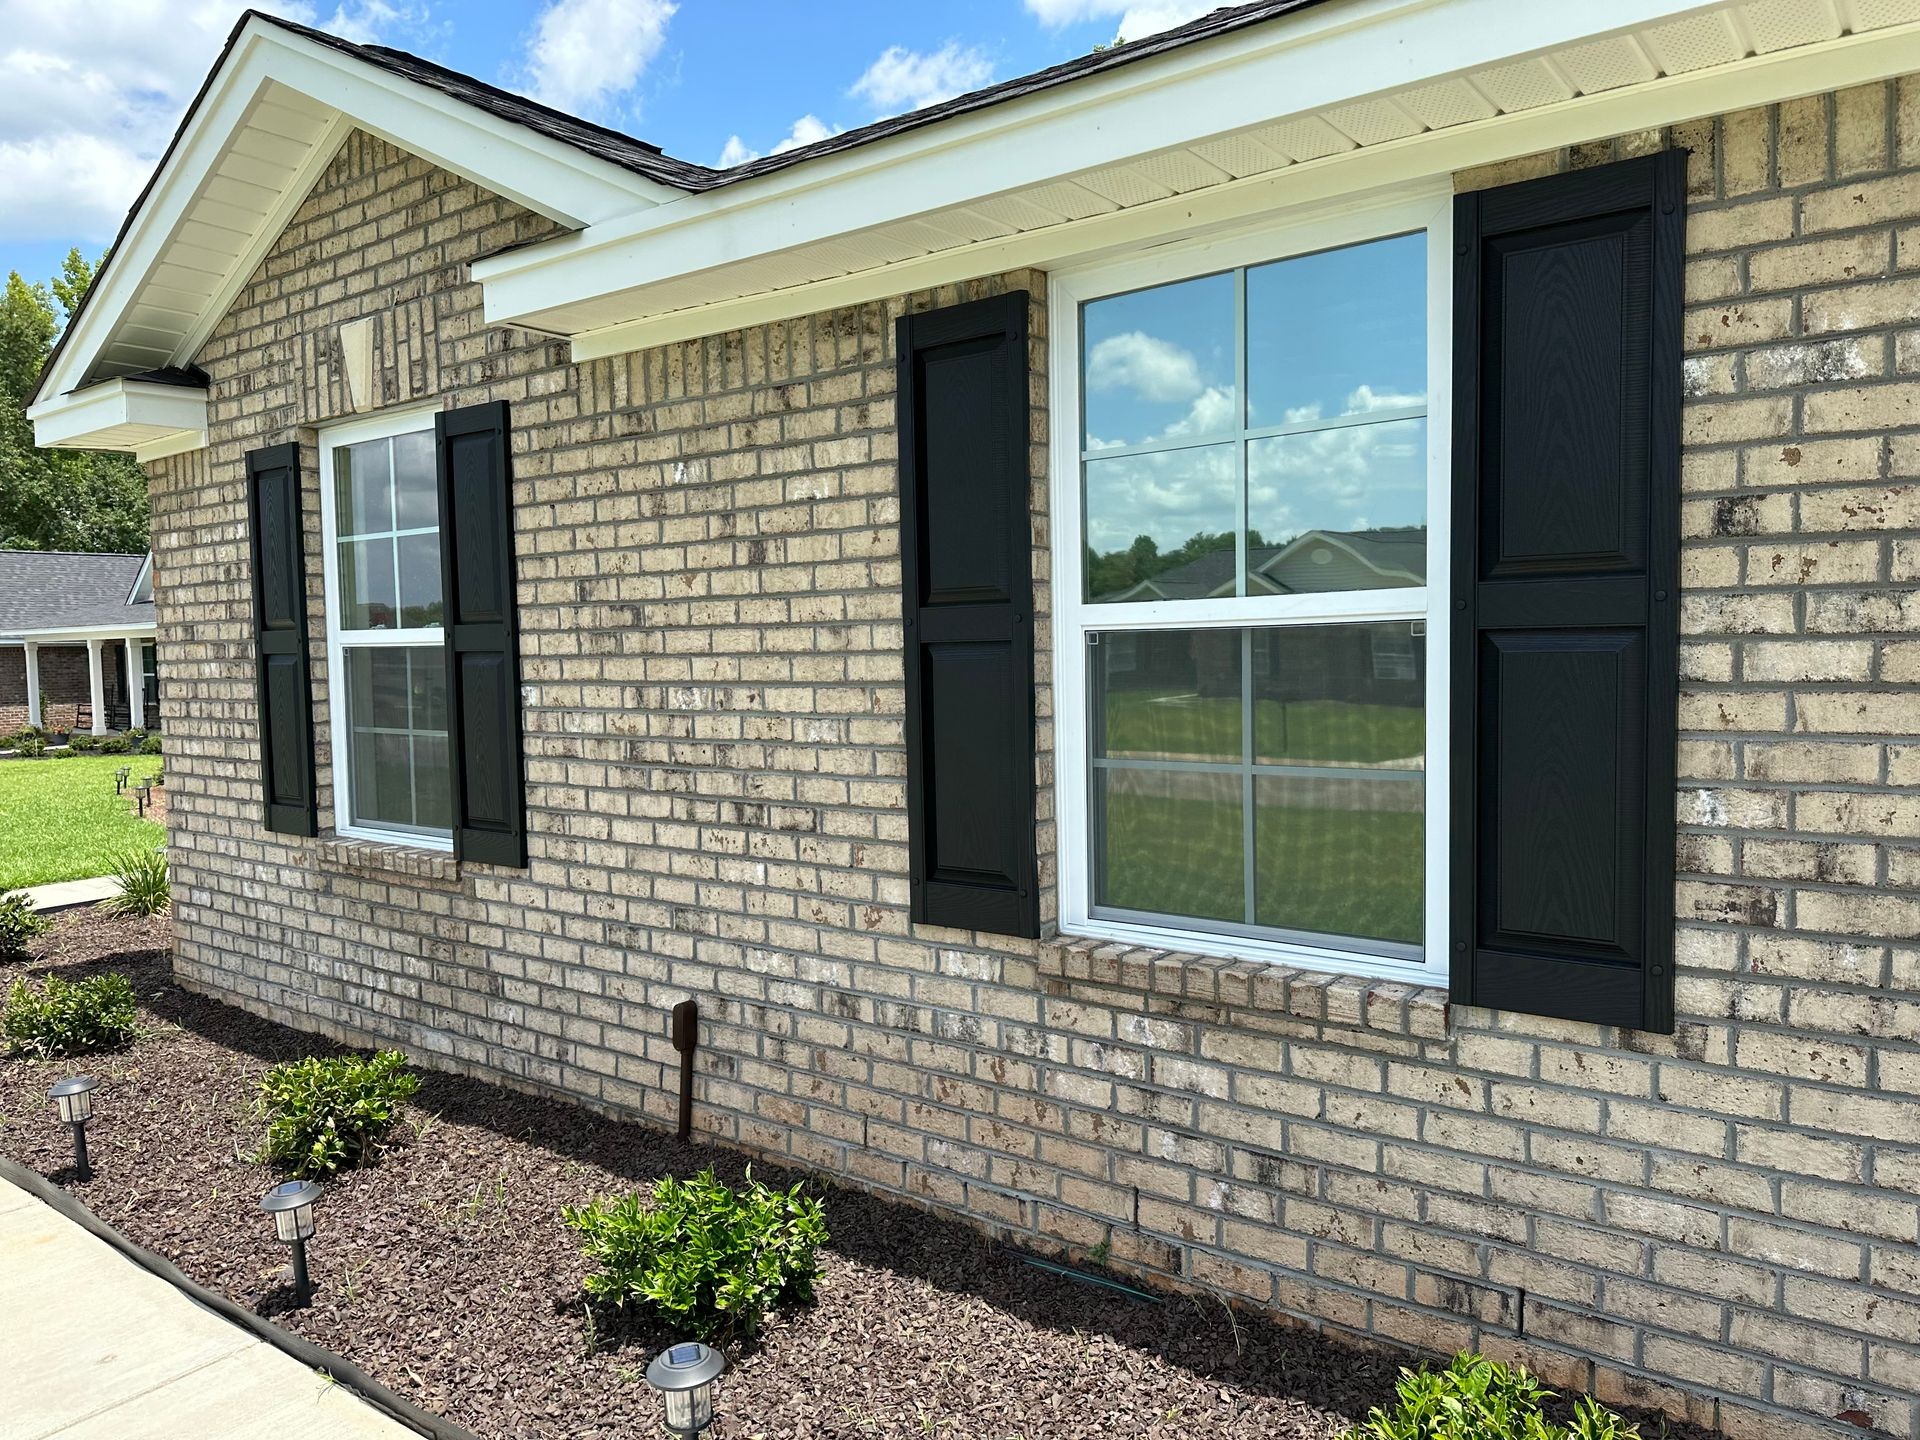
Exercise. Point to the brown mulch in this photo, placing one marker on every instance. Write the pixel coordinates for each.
(445, 1272)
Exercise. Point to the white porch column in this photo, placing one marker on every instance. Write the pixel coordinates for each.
(97, 679)
(136, 684)
(33, 682)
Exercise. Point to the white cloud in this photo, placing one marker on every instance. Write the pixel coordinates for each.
(903, 79)
(1135, 17)
(1151, 368)
(806, 130)
(95, 90)
(584, 53)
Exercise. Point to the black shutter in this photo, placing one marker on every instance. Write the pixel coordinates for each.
(1565, 569)
(483, 640)
(285, 686)
(966, 559)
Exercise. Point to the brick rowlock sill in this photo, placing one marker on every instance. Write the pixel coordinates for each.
(417, 862)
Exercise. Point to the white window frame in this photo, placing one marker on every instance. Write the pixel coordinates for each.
(1427, 208)
(384, 426)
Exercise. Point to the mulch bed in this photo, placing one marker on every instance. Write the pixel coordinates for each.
(444, 1271)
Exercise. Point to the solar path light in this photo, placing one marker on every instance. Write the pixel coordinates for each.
(291, 1205)
(73, 1099)
(684, 1375)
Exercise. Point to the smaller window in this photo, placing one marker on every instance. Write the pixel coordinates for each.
(385, 650)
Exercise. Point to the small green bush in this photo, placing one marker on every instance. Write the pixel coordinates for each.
(61, 1019)
(329, 1115)
(141, 872)
(1475, 1398)
(133, 737)
(150, 745)
(113, 745)
(81, 740)
(30, 746)
(711, 1260)
(19, 923)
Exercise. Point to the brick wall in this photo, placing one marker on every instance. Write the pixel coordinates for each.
(1721, 1223)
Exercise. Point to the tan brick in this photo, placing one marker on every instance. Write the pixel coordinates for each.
(1865, 407)
(1861, 202)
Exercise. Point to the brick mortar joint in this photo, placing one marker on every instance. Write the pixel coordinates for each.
(1395, 1007)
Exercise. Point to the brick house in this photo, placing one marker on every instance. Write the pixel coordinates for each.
(593, 581)
(77, 642)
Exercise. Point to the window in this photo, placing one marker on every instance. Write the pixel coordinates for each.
(1250, 500)
(386, 659)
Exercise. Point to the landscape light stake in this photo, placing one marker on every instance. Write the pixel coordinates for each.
(291, 1205)
(686, 1035)
(140, 793)
(73, 1099)
(120, 779)
(684, 1375)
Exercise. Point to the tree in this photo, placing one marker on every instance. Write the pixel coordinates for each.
(56, 499)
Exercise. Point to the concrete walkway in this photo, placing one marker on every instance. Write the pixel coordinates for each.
(66, 894)
(97, 1348)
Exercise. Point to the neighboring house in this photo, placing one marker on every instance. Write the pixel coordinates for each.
(594, 581)
(1313, 562)
(77, 641)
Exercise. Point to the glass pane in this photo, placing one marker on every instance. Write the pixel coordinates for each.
(1167, 695)
(363, 488)
(366, 585)
(1158, 364)
(1343, 332)
(1340, 695)
(1160, 526)
(433, 784)
(1340, 855)
(416, 493)
(1339, 509)
(396, 709)
(1171, 842)
(419, 581)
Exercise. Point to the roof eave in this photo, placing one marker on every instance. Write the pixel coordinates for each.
(145, 419)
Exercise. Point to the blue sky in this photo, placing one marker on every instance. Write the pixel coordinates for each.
(93, 88)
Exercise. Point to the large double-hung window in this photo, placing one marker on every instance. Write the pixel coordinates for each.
(1245, 592)
(385, 645)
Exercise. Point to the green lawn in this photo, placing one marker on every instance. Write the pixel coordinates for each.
(1145, 722)
(60, 820)
(1333, 872)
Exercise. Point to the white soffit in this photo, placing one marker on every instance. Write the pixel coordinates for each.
(1335, 100)
(138, 417)
(273, 115)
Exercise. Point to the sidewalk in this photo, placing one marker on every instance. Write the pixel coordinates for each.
(97, 1347)
(65, 894)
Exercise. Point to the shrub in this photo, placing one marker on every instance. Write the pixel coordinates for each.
(1475, 1398)
(328, 1115)
(710, 1259)
(81, 740)
(134, 737)
(141, 872)
(150, 745)
(61, 1019)
(19, 923)
(113, 745)
(31, 746)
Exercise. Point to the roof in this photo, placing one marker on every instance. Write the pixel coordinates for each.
(655, 164)
(59, 590)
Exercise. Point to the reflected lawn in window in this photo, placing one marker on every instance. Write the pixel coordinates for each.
(1169, 725)
(1333, 872)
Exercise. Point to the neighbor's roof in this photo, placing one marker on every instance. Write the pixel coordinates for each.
(655, 164)
(59, 590)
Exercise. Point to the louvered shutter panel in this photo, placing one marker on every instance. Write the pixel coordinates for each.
(966, 550)
(482, 635)
(1565, 569)
(283, 680)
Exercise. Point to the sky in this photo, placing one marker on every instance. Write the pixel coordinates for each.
(91, 90)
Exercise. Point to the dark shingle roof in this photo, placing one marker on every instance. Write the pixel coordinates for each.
(57, 590)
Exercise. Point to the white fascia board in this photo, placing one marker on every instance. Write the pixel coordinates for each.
(158, 415)
(1351, 176)
(1295, 65)
(556, 180)
(72, 634)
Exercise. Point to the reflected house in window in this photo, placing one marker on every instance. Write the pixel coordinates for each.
(1312, 563)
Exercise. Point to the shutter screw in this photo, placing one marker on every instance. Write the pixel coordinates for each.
(1660, 595)
(1460, 945)
(1459, 604)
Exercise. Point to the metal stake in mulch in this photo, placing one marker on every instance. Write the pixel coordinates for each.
(684, 1376)
(291, 1204)
(73, 1099)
